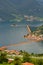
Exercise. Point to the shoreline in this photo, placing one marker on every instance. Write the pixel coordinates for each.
(33, 37)
(21, 43)
(16, 45)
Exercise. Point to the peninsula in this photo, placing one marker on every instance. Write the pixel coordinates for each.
(35, 35)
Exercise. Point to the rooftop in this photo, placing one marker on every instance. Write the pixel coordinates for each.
(27, 63)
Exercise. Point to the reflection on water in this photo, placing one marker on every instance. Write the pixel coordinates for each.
(14, 35)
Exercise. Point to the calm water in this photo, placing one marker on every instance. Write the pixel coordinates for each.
(14, 35)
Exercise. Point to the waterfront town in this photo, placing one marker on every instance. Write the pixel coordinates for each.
(14, 57)
(21, 32)
(33, 36)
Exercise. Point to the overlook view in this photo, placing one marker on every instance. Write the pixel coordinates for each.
(21, 31)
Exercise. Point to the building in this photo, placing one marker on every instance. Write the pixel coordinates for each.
(27, 63)
(3, 48)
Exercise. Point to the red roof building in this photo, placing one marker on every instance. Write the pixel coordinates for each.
(27, 63)
(3, 48)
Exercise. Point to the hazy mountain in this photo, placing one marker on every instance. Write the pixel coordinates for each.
(40, 2)
(30, 7)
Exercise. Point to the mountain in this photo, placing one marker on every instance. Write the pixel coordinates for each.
(28, 7)
(40, 2)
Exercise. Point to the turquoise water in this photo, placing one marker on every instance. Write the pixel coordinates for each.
(14, 35)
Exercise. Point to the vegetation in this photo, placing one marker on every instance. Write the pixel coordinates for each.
(18, 61)
(39, 30)
(26, 57)
(3, 57)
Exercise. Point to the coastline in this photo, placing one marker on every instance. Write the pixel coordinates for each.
(18, 44)
(33, 37)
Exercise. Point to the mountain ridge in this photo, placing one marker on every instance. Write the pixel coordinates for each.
(28, 7)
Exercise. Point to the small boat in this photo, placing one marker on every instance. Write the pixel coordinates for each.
(13, 25)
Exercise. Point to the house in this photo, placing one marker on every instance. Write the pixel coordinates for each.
(10, 60)
(13, 52)
(3, 48)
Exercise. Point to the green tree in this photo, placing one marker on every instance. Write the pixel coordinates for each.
(40, 62)
(3, 57)
(26, 57)
(17, 61)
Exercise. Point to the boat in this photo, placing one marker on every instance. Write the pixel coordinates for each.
(13, 25)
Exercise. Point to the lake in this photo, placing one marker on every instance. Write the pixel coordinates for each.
(15, 35)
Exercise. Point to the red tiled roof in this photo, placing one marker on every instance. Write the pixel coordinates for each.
(27, 63)
(3, 48)
(12, 51)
